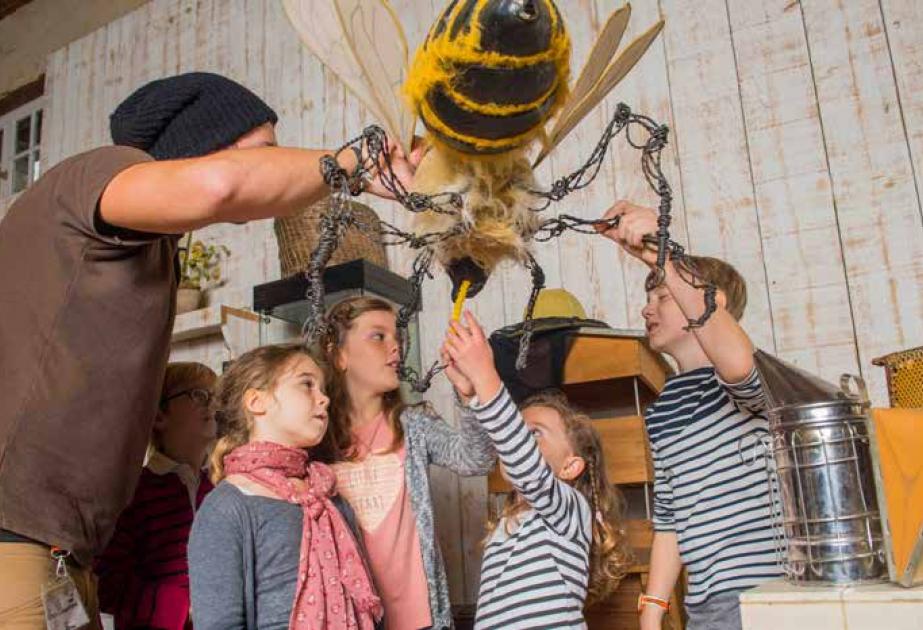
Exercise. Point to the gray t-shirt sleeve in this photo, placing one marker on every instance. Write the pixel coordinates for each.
(216, 564)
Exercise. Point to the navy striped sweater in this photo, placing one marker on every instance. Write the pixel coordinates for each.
(536, 576)
(711, 486)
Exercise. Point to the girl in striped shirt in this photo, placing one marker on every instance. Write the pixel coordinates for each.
(560, 541)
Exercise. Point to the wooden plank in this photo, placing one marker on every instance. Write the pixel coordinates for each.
(154, 66)
(709, 133)
(286, 64)
(646, 90)
(119, 42)
(208, 321)
(591, 268)
(69, 123)
(234, 39)
(878, 209)
(901, 21)
(96, 131)
(640, 534)
(625, 449)
(188, 36)
(56, 93)
(792, 184)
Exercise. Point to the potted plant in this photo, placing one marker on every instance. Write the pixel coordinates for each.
(200, 269)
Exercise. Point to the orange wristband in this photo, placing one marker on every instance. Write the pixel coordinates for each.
(644, 600)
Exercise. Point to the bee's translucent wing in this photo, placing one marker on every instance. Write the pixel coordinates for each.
(363, 44)
(581, 104)
(604, 49)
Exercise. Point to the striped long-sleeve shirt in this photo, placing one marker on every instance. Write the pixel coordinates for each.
(536, 576)
(711, 486)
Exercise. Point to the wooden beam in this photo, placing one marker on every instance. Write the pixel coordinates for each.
(9, 6)
(22, 95)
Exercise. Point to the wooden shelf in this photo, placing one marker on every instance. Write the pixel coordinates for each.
(207, 321)
(600, 358)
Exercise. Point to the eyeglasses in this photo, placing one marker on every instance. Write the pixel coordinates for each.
(201, 397)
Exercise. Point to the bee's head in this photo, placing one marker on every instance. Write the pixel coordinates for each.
(526, 10)
(517, 27)
(461, 269)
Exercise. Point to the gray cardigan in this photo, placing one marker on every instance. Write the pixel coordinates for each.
(469, 452)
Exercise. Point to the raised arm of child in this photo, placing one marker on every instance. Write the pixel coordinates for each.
(562, 507)
(722, 339)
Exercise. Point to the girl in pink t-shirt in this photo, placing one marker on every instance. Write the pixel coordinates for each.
(381, 450)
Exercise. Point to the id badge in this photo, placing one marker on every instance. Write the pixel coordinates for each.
(64, 610)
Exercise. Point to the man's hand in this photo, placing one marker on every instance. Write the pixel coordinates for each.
(635, 223)
(402, 166)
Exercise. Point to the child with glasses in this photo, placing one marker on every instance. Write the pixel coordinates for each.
(143, 573)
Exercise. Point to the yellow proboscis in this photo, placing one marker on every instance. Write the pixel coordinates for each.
(460, 299)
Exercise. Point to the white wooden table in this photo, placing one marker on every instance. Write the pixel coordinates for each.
(778, 605)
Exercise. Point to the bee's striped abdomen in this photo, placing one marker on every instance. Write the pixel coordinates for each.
(491, 73)
(512, 86)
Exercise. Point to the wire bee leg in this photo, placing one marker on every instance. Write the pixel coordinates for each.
(333, 224)
(652, 140)
(538, 283)
(421, 270)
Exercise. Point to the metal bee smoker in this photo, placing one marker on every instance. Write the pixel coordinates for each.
(821, 475)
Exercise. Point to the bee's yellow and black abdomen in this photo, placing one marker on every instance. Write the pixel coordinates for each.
(491, 73)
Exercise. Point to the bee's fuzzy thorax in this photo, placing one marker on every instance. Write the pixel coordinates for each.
(497, 209)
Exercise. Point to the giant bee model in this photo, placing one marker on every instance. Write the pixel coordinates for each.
(487, 82)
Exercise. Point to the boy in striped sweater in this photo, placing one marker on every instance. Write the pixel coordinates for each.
(711, 510)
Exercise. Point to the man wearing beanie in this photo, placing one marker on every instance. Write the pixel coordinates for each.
(88, 283)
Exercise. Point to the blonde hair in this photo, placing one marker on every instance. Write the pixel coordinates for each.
(178, 377)
(260, 369)
(337, 444)
(727, 279)
(610, 554)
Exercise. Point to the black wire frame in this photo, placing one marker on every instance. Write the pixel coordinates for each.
(374, 160)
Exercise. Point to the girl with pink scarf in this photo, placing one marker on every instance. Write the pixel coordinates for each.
(270, 547)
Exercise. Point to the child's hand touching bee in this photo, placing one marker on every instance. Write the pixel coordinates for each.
(471, 357)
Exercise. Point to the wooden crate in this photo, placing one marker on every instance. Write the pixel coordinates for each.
(620, 610)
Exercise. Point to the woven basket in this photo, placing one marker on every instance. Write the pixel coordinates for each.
(297, 236)
(905, 377)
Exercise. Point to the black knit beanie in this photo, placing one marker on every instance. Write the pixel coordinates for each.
(188, 115)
